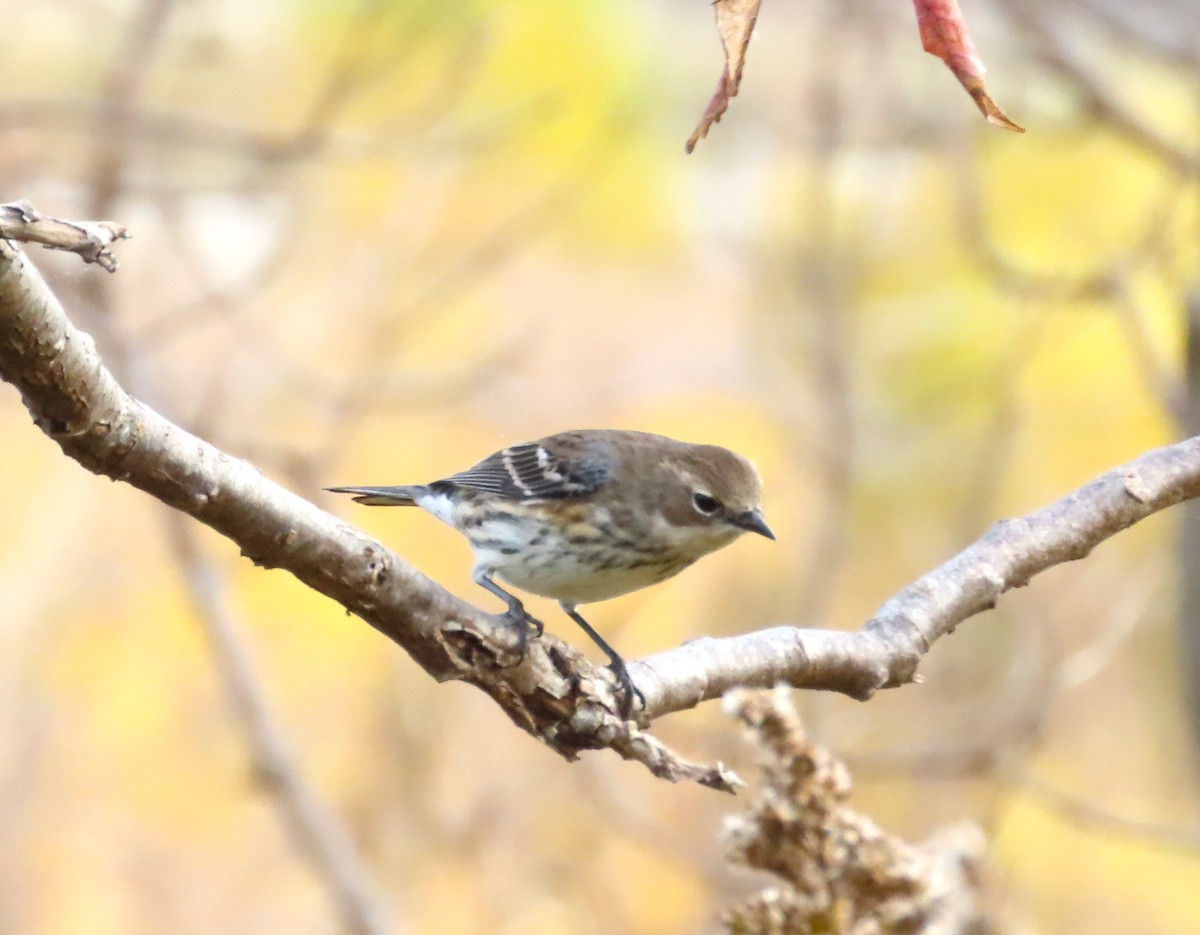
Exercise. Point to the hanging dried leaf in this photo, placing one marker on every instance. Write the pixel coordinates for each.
(944, 33)
(735, 23)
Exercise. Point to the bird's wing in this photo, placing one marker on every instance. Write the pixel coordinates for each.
(558, 467)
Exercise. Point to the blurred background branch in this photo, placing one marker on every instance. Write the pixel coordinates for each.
(318, 833)
(416, 232)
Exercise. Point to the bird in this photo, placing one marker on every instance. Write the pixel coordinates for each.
(587, 515)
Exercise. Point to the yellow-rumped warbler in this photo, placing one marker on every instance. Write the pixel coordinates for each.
(588, 515)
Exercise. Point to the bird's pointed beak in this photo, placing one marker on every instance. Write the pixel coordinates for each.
(752, 521)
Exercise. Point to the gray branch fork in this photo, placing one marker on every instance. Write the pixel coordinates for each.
(553, 692)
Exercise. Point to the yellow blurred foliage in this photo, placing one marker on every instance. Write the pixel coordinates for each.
(488, 232)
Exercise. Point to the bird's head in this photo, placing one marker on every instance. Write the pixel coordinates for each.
(713, 495)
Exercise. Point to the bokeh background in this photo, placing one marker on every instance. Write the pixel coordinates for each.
(376, 241)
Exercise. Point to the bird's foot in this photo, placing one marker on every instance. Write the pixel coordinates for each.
(629, 691)
(520, 620)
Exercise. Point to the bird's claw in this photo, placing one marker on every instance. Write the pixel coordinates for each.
(519, 619)
(629, 691)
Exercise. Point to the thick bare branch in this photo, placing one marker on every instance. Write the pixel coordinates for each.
(886, 651)
(552, 691)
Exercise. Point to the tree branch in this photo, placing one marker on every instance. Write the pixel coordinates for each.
(1095, 817)
(553, 692)
(886, 651)
(90, 239)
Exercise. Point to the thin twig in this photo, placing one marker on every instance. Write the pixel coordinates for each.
(1061, 58)
(1088, 815)
(20, 221)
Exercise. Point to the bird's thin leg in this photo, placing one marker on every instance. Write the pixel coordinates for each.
(516, 614)
(616, 663)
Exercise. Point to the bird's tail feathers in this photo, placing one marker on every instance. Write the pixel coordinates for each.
(383, 496)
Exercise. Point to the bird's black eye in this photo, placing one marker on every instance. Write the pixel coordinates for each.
(705, 504)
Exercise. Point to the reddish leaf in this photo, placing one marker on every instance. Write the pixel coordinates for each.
(944, 33)
(735, 23)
